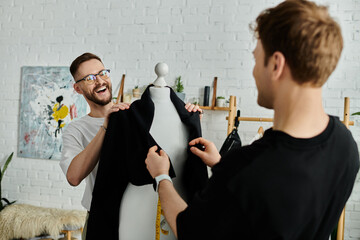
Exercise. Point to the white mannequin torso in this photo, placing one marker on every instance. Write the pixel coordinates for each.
(169, 132)
(139, 203)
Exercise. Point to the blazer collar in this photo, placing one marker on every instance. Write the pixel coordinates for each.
(147, 108)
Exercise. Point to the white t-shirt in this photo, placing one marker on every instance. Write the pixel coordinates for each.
(77, 135)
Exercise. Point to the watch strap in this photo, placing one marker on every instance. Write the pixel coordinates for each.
(161, 177)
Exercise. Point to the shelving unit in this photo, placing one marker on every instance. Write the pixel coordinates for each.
(231, 109)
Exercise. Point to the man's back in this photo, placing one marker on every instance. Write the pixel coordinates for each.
(280, 187)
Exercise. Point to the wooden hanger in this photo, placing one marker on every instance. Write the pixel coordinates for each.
(261, 130)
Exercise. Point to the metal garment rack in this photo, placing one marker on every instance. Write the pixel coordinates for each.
(231, 121)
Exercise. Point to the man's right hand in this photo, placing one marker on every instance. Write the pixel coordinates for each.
(210, 155)
(115, 108)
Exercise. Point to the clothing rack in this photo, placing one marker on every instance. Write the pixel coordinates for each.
(346, 120)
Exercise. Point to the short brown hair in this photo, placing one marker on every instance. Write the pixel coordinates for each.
(79, 60)
(306, 35)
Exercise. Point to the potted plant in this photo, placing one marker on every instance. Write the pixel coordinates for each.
(136, 92)
(2, 172)
(220, 101)
(179, 88)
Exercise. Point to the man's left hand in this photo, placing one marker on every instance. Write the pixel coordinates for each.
(156, 163)
(194, 108)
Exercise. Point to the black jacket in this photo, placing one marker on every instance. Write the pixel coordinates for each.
(122, 160)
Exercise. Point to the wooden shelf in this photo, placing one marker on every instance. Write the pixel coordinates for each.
(231, 109)
(215, 108)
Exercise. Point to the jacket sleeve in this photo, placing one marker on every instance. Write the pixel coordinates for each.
(111, 181)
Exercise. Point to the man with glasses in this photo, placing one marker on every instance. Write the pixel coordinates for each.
(83, 138)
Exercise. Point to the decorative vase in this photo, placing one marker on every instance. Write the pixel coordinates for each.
(220, 102)
(136, 92)
(206, 95)
(127, 98)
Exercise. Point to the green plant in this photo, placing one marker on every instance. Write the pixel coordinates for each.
(2, 172)
(357, 113)
(136, 87)
(220, 97)
(179, 87)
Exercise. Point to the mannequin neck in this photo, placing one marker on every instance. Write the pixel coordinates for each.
(159, 94)
(160, 82)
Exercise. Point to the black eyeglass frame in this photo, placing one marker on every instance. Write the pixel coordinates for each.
(84, 78)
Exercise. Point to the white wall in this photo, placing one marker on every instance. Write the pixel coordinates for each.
(198, 39)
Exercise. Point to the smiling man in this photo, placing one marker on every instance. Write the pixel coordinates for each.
(294, 182)
(83, 138)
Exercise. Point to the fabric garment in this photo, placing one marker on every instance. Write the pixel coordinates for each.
(122, 161)
(77, 135)
(279, 187)
(231, 141)
(138, 209)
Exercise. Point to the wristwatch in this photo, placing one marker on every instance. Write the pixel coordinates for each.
(161, 177)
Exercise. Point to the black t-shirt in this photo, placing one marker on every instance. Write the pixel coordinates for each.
(279, 187)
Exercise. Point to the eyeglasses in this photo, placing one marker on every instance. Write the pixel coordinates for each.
(90, 79)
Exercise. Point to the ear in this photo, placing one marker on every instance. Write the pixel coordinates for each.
(77, 88)
(278, 64)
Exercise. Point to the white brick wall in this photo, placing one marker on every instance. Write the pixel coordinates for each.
(198, 40)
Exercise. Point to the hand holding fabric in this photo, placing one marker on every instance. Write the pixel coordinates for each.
(157, 163)
(194, 108)
(114, 108)
(209, 155)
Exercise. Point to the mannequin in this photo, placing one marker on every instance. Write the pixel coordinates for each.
(139, 203)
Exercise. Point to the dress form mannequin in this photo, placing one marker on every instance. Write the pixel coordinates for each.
(139, 203)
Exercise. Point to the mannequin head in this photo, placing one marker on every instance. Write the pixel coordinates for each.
(161, 70)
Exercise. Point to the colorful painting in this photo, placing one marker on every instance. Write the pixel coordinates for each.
(48, 104)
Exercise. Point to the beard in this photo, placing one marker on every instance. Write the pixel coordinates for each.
(102, 102)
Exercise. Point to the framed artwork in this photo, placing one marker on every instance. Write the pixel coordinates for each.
(48, 104)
